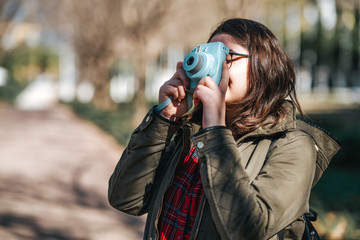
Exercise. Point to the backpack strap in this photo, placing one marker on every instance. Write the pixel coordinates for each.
(258, 159)
(310, 232)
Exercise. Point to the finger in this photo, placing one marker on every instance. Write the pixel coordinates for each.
(175, 82)
(208, 82)
(195, 99)
(224, 83)
(183, 77)
(182, 93)
(180, 86)
(179, 65)
(202, 92)
(174, 92)
(168, 90)
(205, 90)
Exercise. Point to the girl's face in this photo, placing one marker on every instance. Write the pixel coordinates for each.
(238, 82)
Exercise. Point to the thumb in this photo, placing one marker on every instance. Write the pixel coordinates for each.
(224, 78)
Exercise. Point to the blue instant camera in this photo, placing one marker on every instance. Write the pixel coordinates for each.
(204, 60)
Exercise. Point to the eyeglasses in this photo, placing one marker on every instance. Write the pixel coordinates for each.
(230, 57)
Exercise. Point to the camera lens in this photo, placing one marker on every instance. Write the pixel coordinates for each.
(193, 63)
(199, 65)
(190, 61)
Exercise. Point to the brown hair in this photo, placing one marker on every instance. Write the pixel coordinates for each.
(271, 76)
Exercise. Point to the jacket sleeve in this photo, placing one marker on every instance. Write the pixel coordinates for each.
(277, 197)
(130, 185)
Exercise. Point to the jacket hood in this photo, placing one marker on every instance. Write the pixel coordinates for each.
(325, 144)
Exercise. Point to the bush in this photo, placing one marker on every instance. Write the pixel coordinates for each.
(9, 92)
(23, 64)
(116, 123)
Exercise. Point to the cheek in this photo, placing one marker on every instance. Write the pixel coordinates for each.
(243, 84)
(238, 83)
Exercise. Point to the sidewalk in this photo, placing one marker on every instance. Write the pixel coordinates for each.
(54, 171)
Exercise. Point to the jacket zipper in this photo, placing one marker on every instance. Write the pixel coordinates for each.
(320, 128)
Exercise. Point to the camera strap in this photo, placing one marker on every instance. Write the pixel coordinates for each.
(189, 93)
(163, 105)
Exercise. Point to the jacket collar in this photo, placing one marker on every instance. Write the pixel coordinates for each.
(267, 128)
(325, 144)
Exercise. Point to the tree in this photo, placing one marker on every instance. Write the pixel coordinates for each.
(8, 10)
(239, 8)
(95, 28)
(103, 31)
(141, 21)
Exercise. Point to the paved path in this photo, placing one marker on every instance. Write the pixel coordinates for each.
(54, 170)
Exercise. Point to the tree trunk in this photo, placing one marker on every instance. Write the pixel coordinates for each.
(102, 97)
(97, 73)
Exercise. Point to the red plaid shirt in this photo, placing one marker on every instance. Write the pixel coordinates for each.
(182, 200)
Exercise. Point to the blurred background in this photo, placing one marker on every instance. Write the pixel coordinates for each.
(76, 77)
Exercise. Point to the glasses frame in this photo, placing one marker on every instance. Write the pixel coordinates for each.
(232, 54)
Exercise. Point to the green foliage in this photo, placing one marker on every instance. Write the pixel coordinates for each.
(9, 92)
(336, 196)
(117, 123)
(339, 190)
(344, 125)
(23, 65)
(24, 62)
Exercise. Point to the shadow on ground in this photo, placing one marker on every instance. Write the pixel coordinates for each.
(54, 170)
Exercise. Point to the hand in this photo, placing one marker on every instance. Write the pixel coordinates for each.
(175, 87)
(212, 97)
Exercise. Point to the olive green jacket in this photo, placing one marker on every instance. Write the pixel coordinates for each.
(242, 200)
